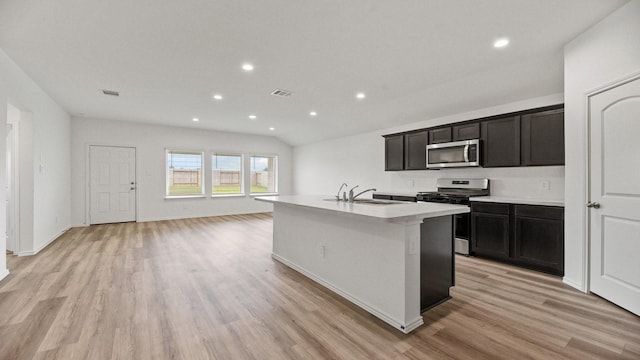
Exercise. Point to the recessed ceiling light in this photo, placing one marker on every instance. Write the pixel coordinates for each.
(313, 113)
(361, 95)
(500, 43)
(247, 67)
(252, 117)
(272, 128)
(196, 119)
(217, 97)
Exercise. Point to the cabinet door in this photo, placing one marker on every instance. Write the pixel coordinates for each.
(539, 237)
(490, 235)
(394, 153)
(415, 150)
(466, 132)
(543, 138)
(501, 142)
(438, 136)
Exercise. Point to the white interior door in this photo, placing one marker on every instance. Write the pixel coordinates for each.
(614, 207)
(112, 184)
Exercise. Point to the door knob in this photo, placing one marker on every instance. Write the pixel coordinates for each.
(595, 205)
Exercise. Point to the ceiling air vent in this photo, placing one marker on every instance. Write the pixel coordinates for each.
(280, 92)
(110, 92)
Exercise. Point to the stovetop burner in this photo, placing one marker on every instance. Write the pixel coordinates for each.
(456, 191)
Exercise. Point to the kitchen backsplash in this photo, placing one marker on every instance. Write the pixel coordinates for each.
(539, 182)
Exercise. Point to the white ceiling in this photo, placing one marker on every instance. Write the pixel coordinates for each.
(415, 59)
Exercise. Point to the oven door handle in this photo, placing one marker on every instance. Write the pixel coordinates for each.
(466, 153)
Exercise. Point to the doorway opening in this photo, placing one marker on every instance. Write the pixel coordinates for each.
(12, 202)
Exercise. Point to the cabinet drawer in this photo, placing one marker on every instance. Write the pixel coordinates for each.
(542, 212)
(491, 208)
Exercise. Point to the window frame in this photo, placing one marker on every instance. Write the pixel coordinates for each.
(275, 177)
(202, 193)
(242, 174)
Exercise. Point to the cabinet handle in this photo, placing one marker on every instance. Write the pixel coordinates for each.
(595, 205)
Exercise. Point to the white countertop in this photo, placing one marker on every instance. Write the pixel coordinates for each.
(523, 201)
(397, 211)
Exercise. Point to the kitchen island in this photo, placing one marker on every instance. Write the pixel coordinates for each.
(369, 252)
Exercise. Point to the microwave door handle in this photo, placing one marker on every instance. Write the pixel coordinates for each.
(466, 153)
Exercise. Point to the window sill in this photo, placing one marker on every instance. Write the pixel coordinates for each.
(264, 194)
(213, 196)
(166, 197)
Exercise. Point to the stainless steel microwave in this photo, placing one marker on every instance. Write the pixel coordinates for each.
(454, 154)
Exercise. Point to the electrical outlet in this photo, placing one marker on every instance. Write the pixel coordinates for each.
(323, 251)
(410, 183)
(545, 185)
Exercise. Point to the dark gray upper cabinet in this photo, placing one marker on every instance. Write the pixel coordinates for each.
(525, 138)
(438, 136)
(466, 132)
(543, 138)
(501, 142)
(415, 149)
(394, 153)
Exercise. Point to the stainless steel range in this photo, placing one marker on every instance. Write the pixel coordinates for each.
(458, 191)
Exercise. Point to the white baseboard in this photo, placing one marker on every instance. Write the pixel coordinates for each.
(4, 273)
(405, 328)
(35, 251)
(574, 284)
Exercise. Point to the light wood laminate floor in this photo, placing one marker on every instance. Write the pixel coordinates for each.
(207, 288)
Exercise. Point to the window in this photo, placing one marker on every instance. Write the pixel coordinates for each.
(226, 174)
(184, 173)
(264, 174)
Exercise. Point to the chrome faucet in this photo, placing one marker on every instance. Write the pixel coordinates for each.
(343, 195)
(352, 197)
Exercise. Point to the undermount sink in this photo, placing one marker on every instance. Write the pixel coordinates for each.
(370, 201)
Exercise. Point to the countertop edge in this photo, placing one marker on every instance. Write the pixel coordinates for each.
(418, 216)
(519, 201)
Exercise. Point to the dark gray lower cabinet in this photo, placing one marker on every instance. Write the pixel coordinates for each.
(490, 229)
(539, 237)
(530, 236)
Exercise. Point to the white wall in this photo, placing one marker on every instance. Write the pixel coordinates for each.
(150, 142)
(320, 168)
(607, 52)
(44, 160)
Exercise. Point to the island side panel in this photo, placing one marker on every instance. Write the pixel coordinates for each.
(369, 262)
(436, 258)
